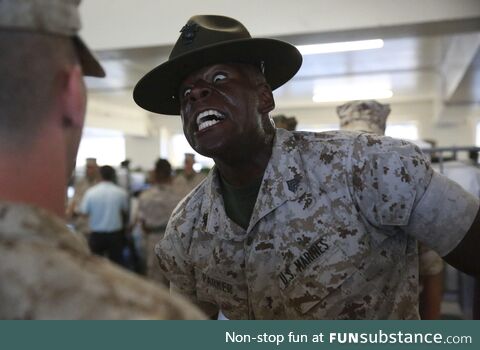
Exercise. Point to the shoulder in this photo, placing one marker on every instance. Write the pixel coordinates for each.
(307, 142)
(131, 296)
(120, 191)
(99, 187)
(308, 137)
(368, 143)
(390, 158)
(80, 286)
(145, 195)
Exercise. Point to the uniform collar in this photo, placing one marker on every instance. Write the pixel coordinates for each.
(284, 179)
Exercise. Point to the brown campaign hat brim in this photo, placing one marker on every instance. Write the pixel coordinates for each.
(158, 91)
(91, 67)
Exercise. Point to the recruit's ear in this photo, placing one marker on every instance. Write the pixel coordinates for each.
(266, 100)
(73, 97)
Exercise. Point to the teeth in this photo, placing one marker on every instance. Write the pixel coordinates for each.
(207, 124)
(207, 113)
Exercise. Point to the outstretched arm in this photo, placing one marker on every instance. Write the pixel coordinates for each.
(465, 256)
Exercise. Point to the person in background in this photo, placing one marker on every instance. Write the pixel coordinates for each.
(46, 271)
(107, 206)
(293, 225)
(188, 178)
(91, 178)
(371, 116)
(283, 122)
(155, 206)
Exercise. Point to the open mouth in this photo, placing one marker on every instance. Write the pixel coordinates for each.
(209, 118)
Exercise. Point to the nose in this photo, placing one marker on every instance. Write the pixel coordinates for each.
(199, 92)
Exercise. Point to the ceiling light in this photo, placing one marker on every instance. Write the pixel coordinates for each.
(351, 95)
(340, 46)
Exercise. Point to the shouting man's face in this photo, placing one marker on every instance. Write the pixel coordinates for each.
(221, 109)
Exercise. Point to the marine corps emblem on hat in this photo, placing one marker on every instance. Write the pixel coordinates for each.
(188, 33)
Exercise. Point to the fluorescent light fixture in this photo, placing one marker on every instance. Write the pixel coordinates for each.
(351, 95)
(340, 46)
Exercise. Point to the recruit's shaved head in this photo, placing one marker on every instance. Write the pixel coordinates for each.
(30, 64)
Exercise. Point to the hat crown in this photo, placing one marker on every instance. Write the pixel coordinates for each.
(205, 30)
(43, 16)
(207, 40)
(368, 116)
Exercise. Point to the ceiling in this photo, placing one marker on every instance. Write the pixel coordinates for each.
(409, 66)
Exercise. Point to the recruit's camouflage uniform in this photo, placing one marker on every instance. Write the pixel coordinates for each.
(183, 184)
(46, 273)
(155, 206)
(332, 236)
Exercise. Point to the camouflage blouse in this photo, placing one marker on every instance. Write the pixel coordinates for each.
(46, 272)
(333, 234)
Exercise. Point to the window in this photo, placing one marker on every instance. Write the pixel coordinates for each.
(406, 131)
(477, 135)
(107, 146)
(180, 146)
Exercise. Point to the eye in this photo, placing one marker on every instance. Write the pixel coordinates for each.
(219, 76)
(187, 92)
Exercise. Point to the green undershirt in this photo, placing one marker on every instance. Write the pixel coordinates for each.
(239, 201)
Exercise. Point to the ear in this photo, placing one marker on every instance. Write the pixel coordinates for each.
(266, 100)
(73, 97)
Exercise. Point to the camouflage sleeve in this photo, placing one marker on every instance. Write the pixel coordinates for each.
(394, 185)
(175, 263)
(443, 215)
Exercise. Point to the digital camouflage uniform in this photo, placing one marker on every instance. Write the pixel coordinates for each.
(155, 206)
(371, 116)
(47, 273)
(333, 234)
(184, 185)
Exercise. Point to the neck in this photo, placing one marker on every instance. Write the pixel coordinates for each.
(246, 166)
(27, 176)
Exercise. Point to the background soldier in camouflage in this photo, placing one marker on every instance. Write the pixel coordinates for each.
(294, 225)
(188, 178)
(371, 116)
(45, 271)
(155, 206)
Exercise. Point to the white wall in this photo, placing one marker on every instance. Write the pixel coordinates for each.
(459, 133)
(142, 151)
